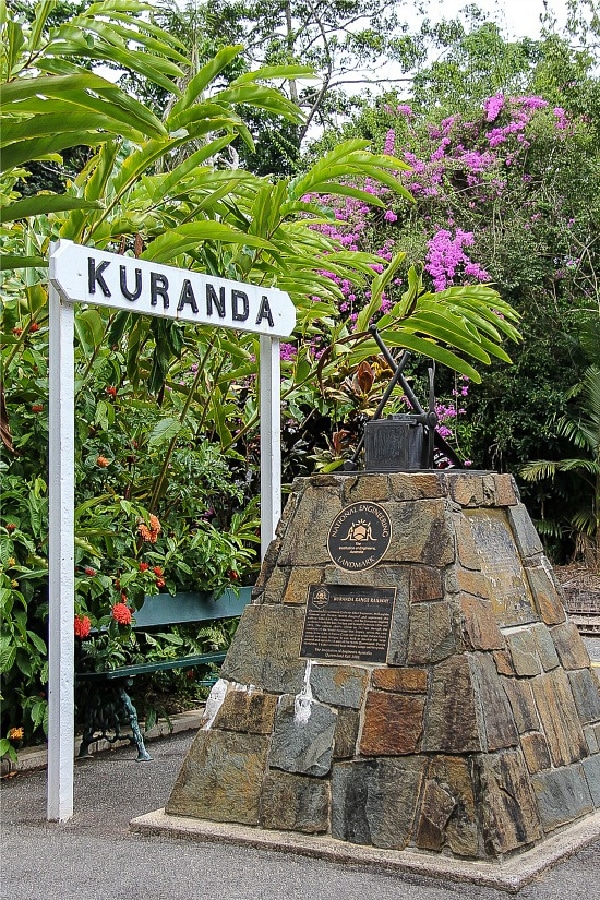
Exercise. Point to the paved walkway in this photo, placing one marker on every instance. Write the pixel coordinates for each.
(95, 857)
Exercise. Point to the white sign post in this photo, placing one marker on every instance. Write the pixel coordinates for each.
(81, 274)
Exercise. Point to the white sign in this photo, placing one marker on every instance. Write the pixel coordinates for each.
(82, 275)
(86, 275)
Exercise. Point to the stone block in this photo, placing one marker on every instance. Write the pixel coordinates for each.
(510, 818)
(526, 537)
(416, 485)
(453, 775)
(303, 747)
(265, 650)
(536, 752)
(591, 767)
(436, 808)
(275, 585)
(398, 639)
(480, 629)
(501, 567)
(451, 724)
(381, 575)
(592, 733)
(289, 509)
(303, 544)
(339, 685)
(221, 778)
(504, 663)
(520, 697)
(372, 487)
(294, 803)
(505, 491)
(247, 711)
(420, 533)
(523, 650)
(494, 709)
(431, 634)
(558, 717)
(296, 591)
(400, 681)
(545, 647)
(374, 802)
(466, 548)
(466, 488)
(547, 602)
(425, 584)
(586, 695)
(346, 734)
(475, 583)
(570, 647)
(392, 725)
(562, 796)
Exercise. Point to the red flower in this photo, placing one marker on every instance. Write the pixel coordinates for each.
(34, 327)
(17, 330)
(82, 626)
(150, 534)
(111, 391)
(37, 407)
(160, 582)
(90, 571)
(143, 567)
(102, 461)
(11, 526)
(157, 570)
(234, 575)
(121, 614)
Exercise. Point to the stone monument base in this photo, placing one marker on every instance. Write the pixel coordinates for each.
(405, 679)
(510, 875)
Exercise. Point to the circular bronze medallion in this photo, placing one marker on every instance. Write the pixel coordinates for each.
(359, 536)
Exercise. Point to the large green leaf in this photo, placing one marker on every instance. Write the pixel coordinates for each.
(43, 204)
(15, 261)
(85, 90)
(185, 238)
(43, 148)
(427, 348)
(263, 97)
(206, 74)
(290, 72)
(65, 118)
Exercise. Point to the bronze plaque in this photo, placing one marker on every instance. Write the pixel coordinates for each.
(359, 536)
(347, 622)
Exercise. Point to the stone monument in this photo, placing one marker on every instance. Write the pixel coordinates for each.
(405, 677)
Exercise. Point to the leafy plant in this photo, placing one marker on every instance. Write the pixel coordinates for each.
(582, 429)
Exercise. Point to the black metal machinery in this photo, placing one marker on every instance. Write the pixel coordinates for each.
(403, 442)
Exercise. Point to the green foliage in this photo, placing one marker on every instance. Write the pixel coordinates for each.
(581, 427)
(167, 414)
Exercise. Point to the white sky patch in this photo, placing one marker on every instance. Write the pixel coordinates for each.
(518, 18)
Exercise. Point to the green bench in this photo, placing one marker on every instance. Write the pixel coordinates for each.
(109, 703)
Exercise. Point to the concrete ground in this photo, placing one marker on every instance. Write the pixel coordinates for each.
(96, 857)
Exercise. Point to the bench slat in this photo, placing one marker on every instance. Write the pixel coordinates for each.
(192, 607)
(163, 665)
